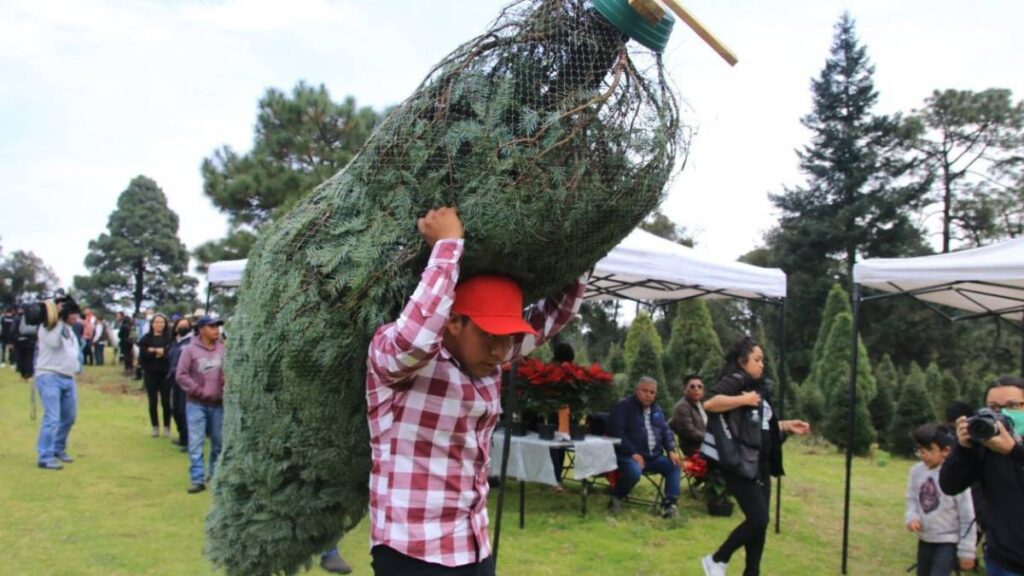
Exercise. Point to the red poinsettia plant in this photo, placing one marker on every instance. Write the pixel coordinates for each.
(696, 468)
(549, 386)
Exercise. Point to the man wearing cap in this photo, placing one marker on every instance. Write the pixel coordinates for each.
(433, 399)
(200, 374)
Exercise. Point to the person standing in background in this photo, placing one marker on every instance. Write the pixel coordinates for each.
(153, 352)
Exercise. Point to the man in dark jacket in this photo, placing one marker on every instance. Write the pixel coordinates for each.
(998, 463)
(647, 446)
(689, 421)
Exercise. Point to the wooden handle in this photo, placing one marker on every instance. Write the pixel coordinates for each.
(701, 31)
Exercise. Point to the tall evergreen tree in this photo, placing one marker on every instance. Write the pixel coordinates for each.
(857, 200)
(139, 260)
(933, 384)
(301, 140)
(811, 404)
(647, 362)
(835, 371)
(838, 302)
(883, 405)
(694, 347)
(949, 392)
(967, 137)
(913, 409)
(641, 329)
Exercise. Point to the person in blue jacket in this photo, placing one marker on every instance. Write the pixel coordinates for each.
(647, 446)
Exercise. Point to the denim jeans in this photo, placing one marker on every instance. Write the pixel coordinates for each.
(994, 570)
(629, 475)
(203, 421)
(60, 406)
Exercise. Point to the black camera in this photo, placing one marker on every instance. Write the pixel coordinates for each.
(982, 425)
(47, 312)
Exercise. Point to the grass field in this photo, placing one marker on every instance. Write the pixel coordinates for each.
(121, 508)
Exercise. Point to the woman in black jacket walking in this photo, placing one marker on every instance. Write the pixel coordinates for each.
(182, 335)
(153, 357)
(742, 396)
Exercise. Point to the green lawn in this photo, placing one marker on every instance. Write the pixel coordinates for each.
(121, 508)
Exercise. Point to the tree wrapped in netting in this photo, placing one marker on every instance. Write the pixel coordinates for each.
(551, 133)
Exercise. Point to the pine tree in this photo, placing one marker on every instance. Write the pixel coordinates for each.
(835, 368)
(811, 404)
(648, 363)
(947, 392)
(886, 375)
(913, 409)
(882, 407)
(838, 301)
(693, 347)
(859, 198)
(140, 260)
(640, 330)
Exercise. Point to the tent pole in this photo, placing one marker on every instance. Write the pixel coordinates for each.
(511, 416)
(782, 406)
(1022, 345)
(850, 421)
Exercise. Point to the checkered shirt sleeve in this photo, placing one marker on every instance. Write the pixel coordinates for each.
(431, 423)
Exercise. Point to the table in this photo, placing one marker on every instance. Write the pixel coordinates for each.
(530, 461)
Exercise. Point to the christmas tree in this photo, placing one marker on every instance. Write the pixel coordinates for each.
(552, 136)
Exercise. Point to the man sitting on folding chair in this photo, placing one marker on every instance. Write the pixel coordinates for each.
(647, 446)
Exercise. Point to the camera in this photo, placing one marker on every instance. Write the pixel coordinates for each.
(47, 312)
(982, 425)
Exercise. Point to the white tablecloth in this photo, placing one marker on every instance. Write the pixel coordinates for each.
(530, 457)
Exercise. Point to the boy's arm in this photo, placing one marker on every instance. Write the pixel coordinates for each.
(549, 316)
(912, 512)
(398, 350)
(966, 548)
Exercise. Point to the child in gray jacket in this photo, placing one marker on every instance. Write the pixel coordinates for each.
(944, 524)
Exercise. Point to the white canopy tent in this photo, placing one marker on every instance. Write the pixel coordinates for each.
(643, 267)
(982, 282)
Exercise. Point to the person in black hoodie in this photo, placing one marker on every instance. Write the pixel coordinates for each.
(741, 388)
(154, 349)
(182, 337)
(997, 465)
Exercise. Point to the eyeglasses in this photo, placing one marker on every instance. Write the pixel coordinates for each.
(1011, 405)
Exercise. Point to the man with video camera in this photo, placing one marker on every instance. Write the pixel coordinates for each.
(57, 362)
(989, 451)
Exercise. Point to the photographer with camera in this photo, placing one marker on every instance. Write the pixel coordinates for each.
(57, 362)
(989, 450)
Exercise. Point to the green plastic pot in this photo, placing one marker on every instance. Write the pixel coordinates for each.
(623, 17)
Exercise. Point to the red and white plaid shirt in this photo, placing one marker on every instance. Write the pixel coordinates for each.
(431, 423)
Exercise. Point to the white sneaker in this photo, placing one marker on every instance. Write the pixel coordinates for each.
(712, 568)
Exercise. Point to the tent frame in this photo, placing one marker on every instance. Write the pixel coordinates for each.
(858, 299)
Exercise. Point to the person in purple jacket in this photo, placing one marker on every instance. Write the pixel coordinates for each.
(200, 374)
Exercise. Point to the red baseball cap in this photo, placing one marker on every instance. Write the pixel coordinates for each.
(494, 303)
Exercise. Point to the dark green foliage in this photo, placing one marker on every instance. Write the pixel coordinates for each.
(641, 330)
(887, 376)
(882, 407)
(602, 330)
(913, 409)
(933, 384)
(811, 403)
(615, 361)
(858, 200)
(838, 302)
(140, 260)
(554, 140)
(648, 363)
(694, 347)
(835, 370)
(968, 138)
(25, 277)
(948, 392)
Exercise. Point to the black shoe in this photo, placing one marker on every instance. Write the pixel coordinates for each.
(63, 457)
(51, 465)
(670, 511)
(196, 488)
(615, 505)
(335, 564)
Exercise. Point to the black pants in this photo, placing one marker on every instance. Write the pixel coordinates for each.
(935, 559)
(26, 357)
(178, 401)
(126, 357)
(87, 353)
(753, 497)
(389, 562)
(156, 383)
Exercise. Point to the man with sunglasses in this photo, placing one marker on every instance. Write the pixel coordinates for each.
(998, 465)
(689, 420)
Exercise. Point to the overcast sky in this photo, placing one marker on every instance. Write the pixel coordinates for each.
(95, 92)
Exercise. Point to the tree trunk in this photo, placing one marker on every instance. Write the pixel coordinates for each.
(140, 268)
